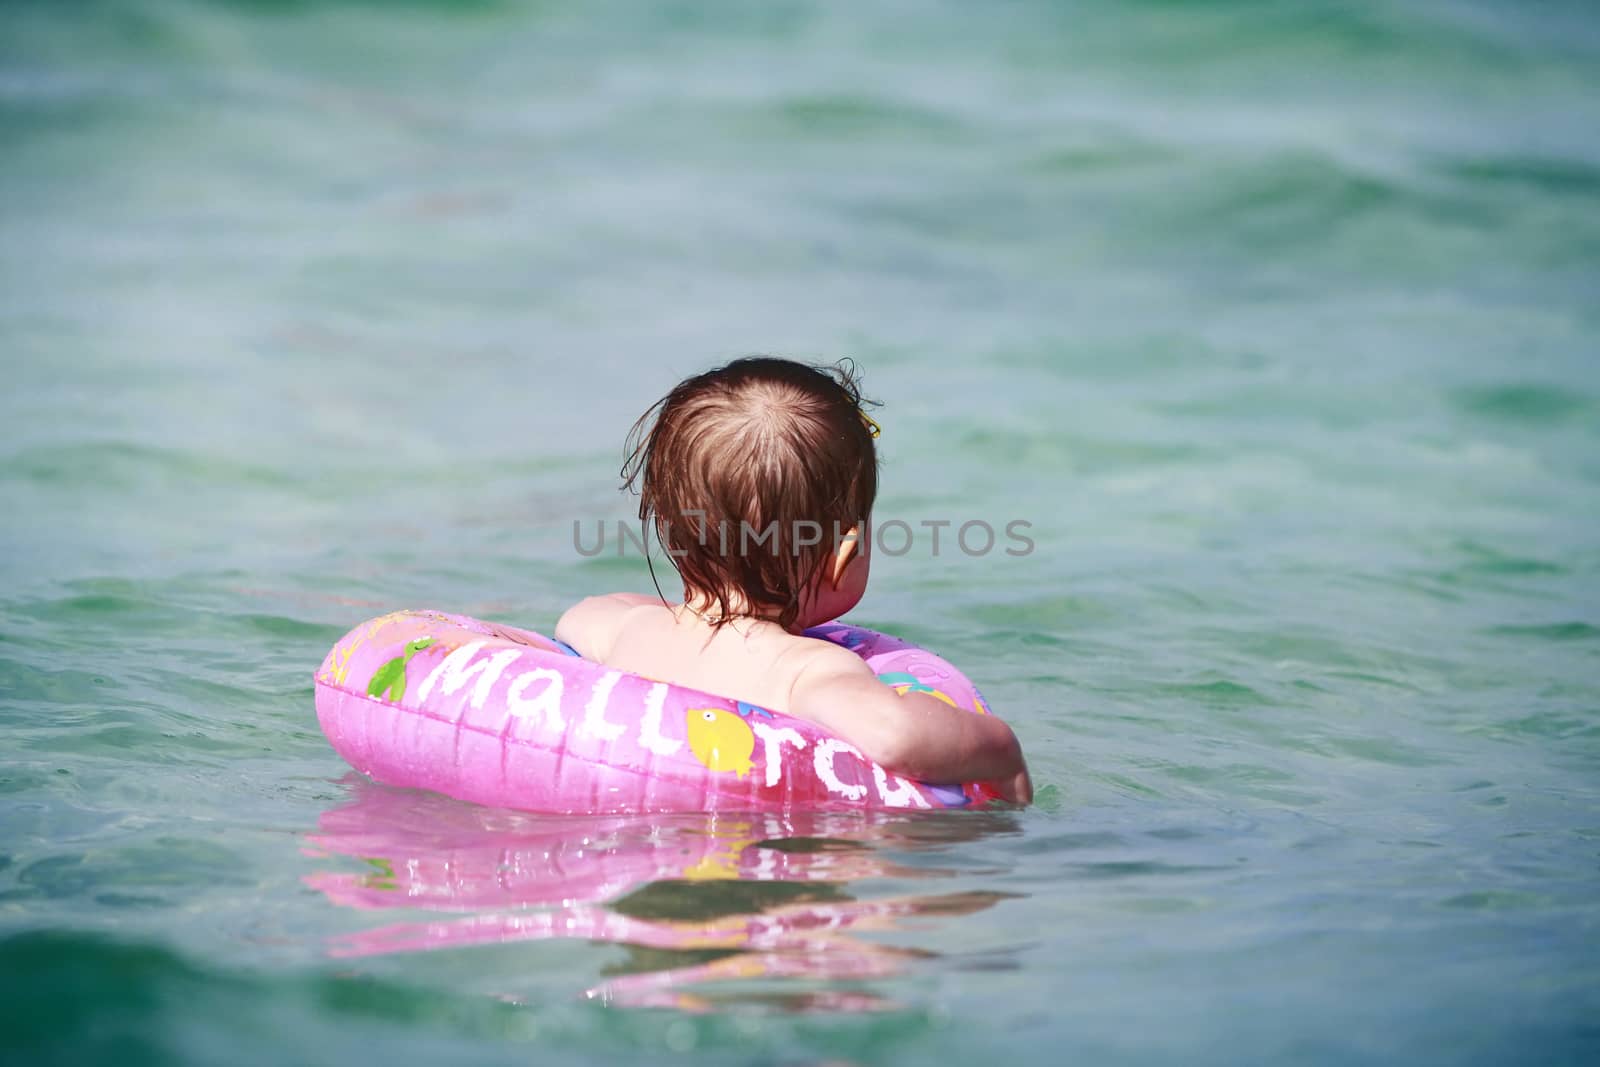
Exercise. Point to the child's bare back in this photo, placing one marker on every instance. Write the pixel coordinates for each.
(759, 477)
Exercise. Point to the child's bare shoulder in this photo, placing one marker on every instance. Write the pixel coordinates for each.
(592, 624)
(814, 660)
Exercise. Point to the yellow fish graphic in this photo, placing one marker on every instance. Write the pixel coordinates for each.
(720, 739)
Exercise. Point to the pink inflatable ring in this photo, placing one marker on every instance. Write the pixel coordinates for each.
(508, 718)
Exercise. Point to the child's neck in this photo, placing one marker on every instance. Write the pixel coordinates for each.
(709, 613)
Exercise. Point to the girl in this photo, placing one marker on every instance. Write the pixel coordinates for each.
(759, 477)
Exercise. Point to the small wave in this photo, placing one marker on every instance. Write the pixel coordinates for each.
(1560, 177)
(1524, 402)
(854, 115)
(1551, 631)
(1221, 693)
(111, 464)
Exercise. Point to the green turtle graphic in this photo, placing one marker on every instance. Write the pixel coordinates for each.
(389, 681)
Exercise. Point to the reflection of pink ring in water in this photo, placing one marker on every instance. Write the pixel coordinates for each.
(784, 909)
(417, 850)
(791, 929)
(505, 717)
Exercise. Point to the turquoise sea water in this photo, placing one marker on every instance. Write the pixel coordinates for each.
(1276, 321)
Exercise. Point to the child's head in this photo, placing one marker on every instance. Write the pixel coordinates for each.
(759, 477)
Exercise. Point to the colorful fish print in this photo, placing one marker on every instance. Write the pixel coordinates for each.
(389, 681)
(339, 662)
(720, 740)
(848, 636)
(951, 796)
(904, 682)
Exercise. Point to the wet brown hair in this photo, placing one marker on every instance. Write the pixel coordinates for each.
(733, 462)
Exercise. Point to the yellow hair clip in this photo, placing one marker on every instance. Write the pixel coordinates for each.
(872, 426)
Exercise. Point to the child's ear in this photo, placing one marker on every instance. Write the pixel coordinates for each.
(845, 554)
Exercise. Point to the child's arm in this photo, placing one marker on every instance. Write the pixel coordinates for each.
(915, 735)
(591, 625)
